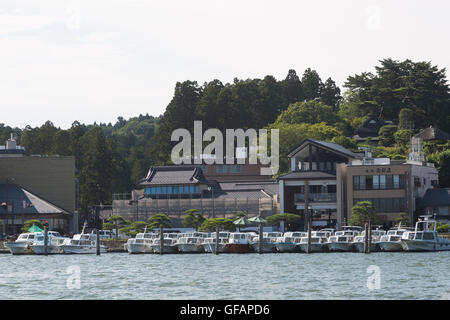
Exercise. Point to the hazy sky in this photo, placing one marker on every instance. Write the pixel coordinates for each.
(96, 60)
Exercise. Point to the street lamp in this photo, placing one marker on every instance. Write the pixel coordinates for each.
(211, 189)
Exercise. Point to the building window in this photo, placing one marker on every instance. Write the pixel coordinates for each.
(204, 169)
(235, 169)
(386, 204)
(362, 182)
(443, 211)
(221, 168)
(376, 182)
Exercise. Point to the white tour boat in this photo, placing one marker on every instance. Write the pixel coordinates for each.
(424, 237)
(340, 243)
(391, 242)
(54, 243)
(209, 244)
(268, 244)
(23, 243)
(83, 243)
(142, 243)
(190, 244)
(288, 242)
(358, 241)
(239, 242)
(168, 245)
(317, 243)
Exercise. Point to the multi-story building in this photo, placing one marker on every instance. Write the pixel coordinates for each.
(41, 187)
(392, 186)
(312, 183)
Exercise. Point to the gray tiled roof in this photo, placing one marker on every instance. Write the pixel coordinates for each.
(33, 204)
(166, 175)
(329, 145)
(307, 175)
(433, 134)
(436, 198)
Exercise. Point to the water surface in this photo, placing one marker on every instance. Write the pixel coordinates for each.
(226, 276)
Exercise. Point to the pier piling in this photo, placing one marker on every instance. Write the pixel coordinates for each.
(369, 237)
(366, 238)
(45, 240)
(98, 241)
(261, 238)
(217, 241)
(161, 240)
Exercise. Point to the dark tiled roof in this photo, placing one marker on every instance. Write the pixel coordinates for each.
(370, 127)
(436, 198)
(33, 204)
(328, 145)
(173, 175)
(266, 187)
(433, 134)
(308, 175)
(242, 194)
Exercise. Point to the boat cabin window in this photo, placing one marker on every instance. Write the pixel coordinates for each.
(428, 236)
(342, 239)
(418, 236)
(395, 238)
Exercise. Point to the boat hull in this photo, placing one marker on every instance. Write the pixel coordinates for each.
(420, 245)
(166, 249)
(39, 249)
(266, 247)
(238, 248)
(286, 247)
(190, 248)
(71, 249)
(340, 246)
(134, 248)
(211, 248)
(359, 247)
(315, 247)
(391, 246)
(18, 247)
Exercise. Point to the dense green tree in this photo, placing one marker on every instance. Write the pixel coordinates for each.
(308, 112)
(330, 94)
(159, 220)
(209, 225)
(292, 87)
(29, 223)
(386, 134)
(406, 119)
(419, 86)
(290, 219)
(192, 219)
(133, 229)
(312, 84)
(362, 213)
(117, 221)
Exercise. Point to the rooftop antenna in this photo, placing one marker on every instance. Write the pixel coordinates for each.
(367, 160)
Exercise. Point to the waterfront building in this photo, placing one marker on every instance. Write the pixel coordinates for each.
(436, 202)
(49, 179)
(312, 182)
(174, 189)
(393, 186)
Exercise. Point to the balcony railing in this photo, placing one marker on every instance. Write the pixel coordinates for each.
(315, 197)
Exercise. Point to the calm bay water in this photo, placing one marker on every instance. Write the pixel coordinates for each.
(227, 276)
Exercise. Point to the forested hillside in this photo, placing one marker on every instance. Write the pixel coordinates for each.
(112, 157)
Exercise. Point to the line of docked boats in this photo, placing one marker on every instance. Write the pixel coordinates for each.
(423, 237)
(34, 242)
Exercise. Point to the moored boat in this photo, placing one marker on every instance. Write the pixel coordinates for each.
(83, 243)
(168, 245)
(54, 243)
(342, 243)
(23, 243)
(424, 237)
(268, 244)
(239, 242)
(317, 244)
(142, 243)
(287, 243)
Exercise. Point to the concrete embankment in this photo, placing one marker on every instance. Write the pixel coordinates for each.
(114, 245)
